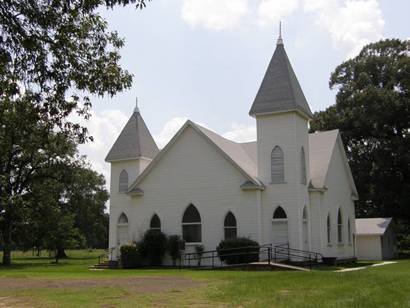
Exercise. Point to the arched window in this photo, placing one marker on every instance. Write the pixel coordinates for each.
(230, 226)
(277, 165)
(339, 226)
(155, 223)
(302, 167)
(279, 213)
(328, 229)
(123, 185)
(123, 219)
(349, 231)
(280, 232)
(191, 225)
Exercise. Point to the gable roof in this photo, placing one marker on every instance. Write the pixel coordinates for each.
(134, 141)
(372, 226)
(321, 148)
(243, 156)
(232, 151)
(280, 90)
(321, 145)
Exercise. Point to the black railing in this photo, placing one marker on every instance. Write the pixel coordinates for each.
(265, 253)
(295, 256)
(195, 259)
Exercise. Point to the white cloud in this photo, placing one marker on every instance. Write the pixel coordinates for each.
(214, 14)
(169, 130)
(241, 133)
(270, 12)
(105, 127)
(351, 23)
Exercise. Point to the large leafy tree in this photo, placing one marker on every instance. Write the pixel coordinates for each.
(86, 196)
(372, 111)
(53, 55)
(71, 197)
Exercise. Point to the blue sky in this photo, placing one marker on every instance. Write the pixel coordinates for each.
(204, 59)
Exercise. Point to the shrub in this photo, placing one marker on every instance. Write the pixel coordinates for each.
(130, 256)
(154, 246)
(238, 250)
(175, 244)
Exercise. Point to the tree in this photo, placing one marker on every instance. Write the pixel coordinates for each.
(72, 197)
(372, 111)
(86, 196)
(53, 55)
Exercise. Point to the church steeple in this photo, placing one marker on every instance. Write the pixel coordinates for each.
(135, 140)
(280, 90)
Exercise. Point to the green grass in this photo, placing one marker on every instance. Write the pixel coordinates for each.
(384, 286)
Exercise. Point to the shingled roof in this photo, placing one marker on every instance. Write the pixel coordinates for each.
(280, 89)
(134, 141)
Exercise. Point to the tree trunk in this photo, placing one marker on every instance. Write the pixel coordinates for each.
(7, 243)
(60, 253)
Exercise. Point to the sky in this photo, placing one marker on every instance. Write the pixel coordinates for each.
(204, 60)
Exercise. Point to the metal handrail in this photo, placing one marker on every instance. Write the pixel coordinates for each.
(213, 254)
(273, 253)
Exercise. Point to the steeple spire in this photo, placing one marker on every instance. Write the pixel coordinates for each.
(280, 90)
(136, 109)
(280, 40)
(135, 140)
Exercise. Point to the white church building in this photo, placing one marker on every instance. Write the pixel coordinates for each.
(288, 186)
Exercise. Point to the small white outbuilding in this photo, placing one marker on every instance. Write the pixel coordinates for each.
(375, 239)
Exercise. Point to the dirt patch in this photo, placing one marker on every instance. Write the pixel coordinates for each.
(139, 284)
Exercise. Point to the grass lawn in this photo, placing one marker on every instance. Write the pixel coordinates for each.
(35, 281)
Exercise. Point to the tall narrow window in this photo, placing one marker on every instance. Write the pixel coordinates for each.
(280, 232)
(191, 225)
(277, 167)
(122, 230)
(339, 226)
(230, 226)
(302, 167)
(328, 230)
(155, 223)
(123, 183)
(349, 231)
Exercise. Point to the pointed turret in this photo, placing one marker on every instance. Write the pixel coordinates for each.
(135, 141)
(280, 90)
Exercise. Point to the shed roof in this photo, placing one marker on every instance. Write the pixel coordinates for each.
(372, 226)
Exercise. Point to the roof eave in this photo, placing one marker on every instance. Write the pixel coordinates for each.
(135, 192)
(251, 186)
(302, 113)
